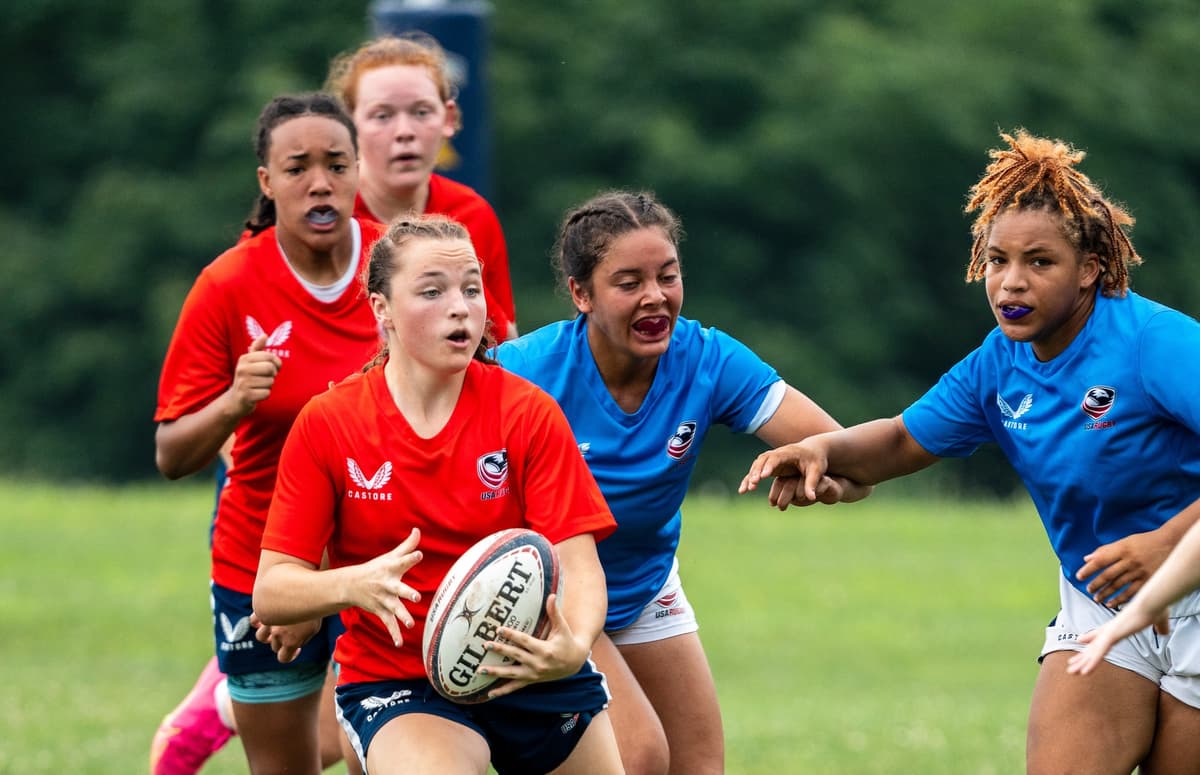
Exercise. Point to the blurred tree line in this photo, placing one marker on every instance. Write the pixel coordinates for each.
(819, 154)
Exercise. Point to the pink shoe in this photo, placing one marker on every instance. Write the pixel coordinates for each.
(193, 732)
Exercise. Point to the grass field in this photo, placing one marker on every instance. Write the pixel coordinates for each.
(891, 636)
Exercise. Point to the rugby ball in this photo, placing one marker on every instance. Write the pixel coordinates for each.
(501, 581)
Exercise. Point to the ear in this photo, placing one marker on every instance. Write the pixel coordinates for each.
(452, 118)
(379, 306)
(579, 296)
(264, 183)
(1089, 270)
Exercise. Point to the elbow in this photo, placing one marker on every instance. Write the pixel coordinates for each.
(261, 604)
(168, 466)
(167, 457)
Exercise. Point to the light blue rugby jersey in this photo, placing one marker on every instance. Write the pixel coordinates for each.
(642, 461)
(1106, 436)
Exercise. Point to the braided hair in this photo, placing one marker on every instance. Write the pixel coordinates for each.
(589, 229)
(1036, 173)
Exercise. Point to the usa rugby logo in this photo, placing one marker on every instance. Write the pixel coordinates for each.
(493, 468)
(1098, 400)
(681, 441)
(668, 605)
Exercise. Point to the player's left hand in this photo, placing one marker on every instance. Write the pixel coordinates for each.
(534, 659)
(285, 640)
(1126, 563)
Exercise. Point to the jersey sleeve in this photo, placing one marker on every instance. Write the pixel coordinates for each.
(197, 368)
(560, 496)
(948, 421)
(1169, 362)
(745, 387)
(300, 520)
(497, 281)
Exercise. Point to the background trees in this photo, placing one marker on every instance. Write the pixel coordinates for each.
(819, 154)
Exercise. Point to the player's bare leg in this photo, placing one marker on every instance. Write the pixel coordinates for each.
(1099, 723)
(1176, 748)
(423, 744)
(675, 676)
(640, 736)
(335, 746)
(281, 737)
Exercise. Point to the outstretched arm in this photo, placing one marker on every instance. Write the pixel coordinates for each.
(799, 417)
(1179, 574)
(289, 590)
(867, 454)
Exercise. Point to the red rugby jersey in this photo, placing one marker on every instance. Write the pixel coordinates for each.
(463, 204)
(356, 477)
(247, 290)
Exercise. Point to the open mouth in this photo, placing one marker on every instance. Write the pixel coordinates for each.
(460, 336)
(1014, 311)
(321, 216)
(654, 326)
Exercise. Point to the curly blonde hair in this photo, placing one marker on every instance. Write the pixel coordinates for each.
(1037, 173)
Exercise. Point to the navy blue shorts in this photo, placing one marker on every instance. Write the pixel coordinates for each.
(239, 652)
(533, 730)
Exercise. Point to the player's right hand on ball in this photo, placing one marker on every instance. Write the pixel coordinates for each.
(253, 377)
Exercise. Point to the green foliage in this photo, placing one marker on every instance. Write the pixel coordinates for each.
(857, 639)
(819, 154)
(140, 171)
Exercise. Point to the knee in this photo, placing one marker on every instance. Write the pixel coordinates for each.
(646, 757)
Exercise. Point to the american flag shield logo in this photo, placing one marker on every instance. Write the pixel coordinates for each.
(493, 468)
(681, 440)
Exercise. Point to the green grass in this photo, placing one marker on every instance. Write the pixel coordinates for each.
(883, 637)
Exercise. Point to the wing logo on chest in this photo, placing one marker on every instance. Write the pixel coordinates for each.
(1023, 407)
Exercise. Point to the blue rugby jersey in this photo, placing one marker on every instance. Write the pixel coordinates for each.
(1105, 436)
(642, 461)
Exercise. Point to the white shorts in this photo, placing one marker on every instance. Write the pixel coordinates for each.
(667, 615)
(1170, 661)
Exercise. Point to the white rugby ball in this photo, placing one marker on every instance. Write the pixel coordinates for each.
(501, 581)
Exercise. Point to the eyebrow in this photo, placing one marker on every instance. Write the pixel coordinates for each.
(328, 155)
(1031, 251)
(638, 270)
(439, 273)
